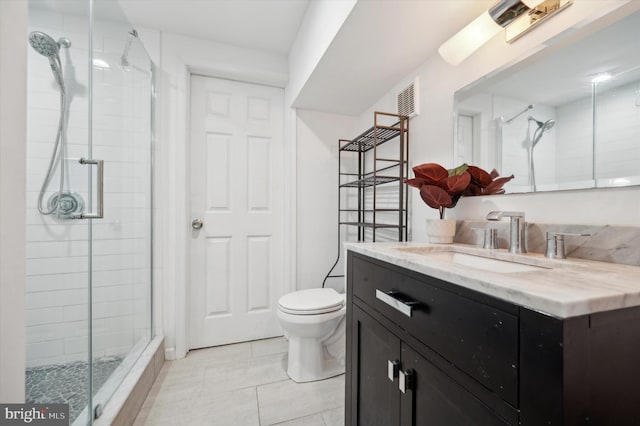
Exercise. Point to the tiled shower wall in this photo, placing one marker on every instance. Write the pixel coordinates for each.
(565, 154)
(57, 261)
(617, 134)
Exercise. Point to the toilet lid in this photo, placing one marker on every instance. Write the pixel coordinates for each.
(309, 302)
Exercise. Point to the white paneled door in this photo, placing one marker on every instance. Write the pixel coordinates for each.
(237, 197)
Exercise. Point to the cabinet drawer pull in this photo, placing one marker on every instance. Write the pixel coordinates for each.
(405, 381)
(392, 299)
(392, 369)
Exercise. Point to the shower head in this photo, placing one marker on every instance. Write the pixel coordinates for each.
(124, 58)
(542, 127)
(45, 45)
(545, 126)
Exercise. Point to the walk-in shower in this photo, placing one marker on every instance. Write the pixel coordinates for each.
(88, 224)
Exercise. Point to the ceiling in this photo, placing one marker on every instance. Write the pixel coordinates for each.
(380, 43)
(267, 25)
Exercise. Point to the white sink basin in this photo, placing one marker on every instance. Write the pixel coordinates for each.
(502, 266)
(485, 263)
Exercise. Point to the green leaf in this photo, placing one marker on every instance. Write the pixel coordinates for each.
(458, 170)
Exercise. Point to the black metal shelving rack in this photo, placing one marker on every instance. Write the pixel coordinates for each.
(384, 171)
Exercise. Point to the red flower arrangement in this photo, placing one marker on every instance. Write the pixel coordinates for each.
(442, 189)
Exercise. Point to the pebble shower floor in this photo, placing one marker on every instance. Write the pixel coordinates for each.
(67, 383)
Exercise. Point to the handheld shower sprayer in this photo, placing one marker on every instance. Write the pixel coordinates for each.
(63, 204)
(542, 127)
(45, 45)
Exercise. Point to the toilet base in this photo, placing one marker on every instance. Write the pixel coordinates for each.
(311, 360)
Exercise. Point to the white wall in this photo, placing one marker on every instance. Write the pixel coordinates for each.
(13, 85)
(317, 175)
(432, 131)
(320, 24)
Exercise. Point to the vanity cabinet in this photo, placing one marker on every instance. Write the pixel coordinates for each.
(422, 351)
(397, 385)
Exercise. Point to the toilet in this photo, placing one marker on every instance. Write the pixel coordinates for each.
(315, 323)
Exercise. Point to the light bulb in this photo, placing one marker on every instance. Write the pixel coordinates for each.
(532, 3)
(469, 39)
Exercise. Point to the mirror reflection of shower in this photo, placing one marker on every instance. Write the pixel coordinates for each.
(63, 203)
(537, 135)
(507, 121)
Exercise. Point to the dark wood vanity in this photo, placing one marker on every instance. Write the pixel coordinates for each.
(423, 351)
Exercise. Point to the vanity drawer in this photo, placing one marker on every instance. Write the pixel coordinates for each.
(477, 338)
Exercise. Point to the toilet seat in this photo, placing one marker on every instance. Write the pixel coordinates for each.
(311, 302)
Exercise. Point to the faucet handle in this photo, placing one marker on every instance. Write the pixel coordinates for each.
(555, 243)
(490, 237)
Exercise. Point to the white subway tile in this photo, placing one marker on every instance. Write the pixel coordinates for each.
(44, 350)
(44, 316)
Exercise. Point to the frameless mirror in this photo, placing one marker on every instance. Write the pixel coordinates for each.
(567, 117)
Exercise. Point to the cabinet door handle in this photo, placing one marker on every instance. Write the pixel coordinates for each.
(392, 369)
(391, 298)
(405, 381)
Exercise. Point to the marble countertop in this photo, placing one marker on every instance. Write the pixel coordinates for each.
(562, 288)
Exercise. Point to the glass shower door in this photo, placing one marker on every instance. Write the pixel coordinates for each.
(121, 240)
(88, 284)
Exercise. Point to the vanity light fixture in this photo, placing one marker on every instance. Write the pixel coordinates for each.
(525, 14)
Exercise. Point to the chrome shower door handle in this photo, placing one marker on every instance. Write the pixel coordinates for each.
(99, 213)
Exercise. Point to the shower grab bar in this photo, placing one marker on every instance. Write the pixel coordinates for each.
(99, 214)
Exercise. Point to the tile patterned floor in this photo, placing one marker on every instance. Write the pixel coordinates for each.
(240, 385)
(67, 383)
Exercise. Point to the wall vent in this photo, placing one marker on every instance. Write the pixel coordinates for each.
(408, 102)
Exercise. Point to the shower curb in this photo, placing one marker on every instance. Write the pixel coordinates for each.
(124, 405)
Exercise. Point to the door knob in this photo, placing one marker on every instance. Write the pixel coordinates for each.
(197, 224)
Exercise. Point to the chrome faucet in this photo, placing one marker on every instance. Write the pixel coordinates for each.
(555, 243)
(517, 237)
